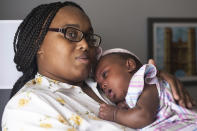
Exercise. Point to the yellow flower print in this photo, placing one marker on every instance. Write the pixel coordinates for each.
(123, 127)
(62, 120)
(38, 80)
(93, 117)
(55, 82)
(23, 102)
(45, 125)
(5, 129)
(71, 129)
(29, 83)
(60, 100)
(77, 119)
(46, 117)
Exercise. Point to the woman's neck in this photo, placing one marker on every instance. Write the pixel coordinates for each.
(54, 77)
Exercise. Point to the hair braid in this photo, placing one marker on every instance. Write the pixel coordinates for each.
(29, 36)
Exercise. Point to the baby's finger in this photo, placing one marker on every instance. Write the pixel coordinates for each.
(102, 105)
(175, 89)
(101, 109)
(100, 115)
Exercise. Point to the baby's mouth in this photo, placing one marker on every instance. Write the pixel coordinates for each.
(110, 93)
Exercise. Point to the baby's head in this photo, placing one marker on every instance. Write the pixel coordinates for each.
(114, 71)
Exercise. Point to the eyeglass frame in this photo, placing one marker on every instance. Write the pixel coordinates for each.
(63, 31)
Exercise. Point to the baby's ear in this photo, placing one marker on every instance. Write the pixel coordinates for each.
(130, 64)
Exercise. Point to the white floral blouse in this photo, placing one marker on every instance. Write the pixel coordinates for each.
(44, 104)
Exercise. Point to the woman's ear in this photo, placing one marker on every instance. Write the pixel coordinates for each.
(40, 52)
(130, 64)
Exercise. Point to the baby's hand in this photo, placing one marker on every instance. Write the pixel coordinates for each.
(106, 112)
(123, 105)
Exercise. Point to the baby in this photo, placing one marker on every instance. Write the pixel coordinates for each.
(142, 100)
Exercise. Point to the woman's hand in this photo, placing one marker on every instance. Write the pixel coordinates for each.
(179, 93)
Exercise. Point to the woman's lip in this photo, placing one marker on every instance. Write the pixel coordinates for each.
(83, 59)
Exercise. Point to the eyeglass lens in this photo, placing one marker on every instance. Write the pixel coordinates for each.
(75, 35)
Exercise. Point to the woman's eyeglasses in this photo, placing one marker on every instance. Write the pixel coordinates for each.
(75, 35)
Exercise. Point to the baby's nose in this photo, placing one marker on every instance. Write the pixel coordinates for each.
(104, 86)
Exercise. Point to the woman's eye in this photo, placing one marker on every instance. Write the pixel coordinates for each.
(72, 35)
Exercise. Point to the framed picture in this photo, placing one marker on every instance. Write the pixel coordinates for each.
(172, 43)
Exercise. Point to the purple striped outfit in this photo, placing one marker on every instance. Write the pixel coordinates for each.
(170, 116)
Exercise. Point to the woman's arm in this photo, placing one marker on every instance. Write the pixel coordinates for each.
(179, 93)
(143, 114)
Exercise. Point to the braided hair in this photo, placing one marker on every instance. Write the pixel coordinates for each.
(28, 37)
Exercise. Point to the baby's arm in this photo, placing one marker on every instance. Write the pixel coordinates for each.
(143, 114)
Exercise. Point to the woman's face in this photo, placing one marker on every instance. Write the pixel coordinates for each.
(113, 77)
(61, 59)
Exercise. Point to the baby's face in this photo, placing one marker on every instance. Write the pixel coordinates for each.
(113, 77)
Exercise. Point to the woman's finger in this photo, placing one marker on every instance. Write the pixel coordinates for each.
(151, 61)
(191, 102)
(188, 101)
(182, 96)
(172, 82)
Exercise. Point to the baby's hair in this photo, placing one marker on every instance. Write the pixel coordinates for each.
(29, 36)
(122, 56)
(125, 56)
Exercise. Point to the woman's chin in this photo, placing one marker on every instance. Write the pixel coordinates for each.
(82, 76)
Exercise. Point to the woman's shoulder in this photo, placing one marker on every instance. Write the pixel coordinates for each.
(27, 108)
(29, 99)
(25, 96)
(32, 91)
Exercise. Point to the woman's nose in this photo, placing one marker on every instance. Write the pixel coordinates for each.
(83, 45)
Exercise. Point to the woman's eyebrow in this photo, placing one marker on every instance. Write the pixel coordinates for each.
(72, 25)
(90, 30)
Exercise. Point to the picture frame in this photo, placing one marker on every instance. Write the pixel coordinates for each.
(172, 43)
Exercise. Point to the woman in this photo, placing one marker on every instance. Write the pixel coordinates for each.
(54, 48)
